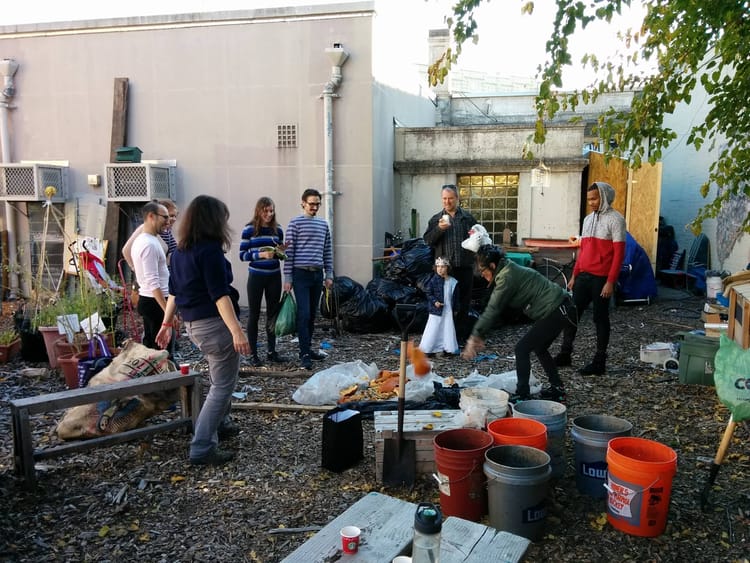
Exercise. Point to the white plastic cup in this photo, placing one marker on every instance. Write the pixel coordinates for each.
(447, 219)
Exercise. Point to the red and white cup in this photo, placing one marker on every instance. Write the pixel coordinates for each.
(350, 539)
(184, 369)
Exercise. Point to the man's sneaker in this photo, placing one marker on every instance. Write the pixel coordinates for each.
(317, 356)
(563, 360)
(228, 430)
(597, 366)
(553, 393)
(305, 362)
(275, 358)
(255, 361)
(517, 398)
(214, 457)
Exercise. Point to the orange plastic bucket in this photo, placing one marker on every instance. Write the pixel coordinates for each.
(459, 458)
(639, 484)
(518, 432)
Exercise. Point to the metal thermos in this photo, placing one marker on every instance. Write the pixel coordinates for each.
(428, 521)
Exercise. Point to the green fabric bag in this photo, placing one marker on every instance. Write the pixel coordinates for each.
(732, 378)
(286, 319)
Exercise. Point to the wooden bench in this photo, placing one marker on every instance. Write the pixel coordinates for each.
(24, 453)
(387, 525)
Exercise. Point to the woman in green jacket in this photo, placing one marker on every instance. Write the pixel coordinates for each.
(548, 305)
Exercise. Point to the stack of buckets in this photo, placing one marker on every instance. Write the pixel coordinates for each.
(505, 472)
(634, 474)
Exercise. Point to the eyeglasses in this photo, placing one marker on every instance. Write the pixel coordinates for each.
(163, 216)
(313, 203)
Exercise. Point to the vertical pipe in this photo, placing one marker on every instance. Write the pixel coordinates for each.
(8, 68)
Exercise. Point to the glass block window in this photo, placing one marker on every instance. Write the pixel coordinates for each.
(492, 199)
(286, 136)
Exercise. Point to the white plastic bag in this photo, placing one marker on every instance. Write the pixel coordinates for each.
(324, 386)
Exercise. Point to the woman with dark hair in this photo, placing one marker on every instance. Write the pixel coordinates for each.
(262, 246)
(548, 305)
(200, 288)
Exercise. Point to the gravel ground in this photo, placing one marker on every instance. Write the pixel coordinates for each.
(142, 500)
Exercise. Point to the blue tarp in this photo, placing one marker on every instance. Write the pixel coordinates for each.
(636, 280)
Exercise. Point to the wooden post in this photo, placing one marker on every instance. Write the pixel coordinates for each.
(119, 139)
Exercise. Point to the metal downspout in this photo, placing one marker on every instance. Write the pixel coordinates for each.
(338, 57)
(8, 68)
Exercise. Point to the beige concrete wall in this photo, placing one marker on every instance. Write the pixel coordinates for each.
(426, 158)
(208, 91)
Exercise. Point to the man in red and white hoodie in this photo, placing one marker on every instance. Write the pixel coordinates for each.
(602, 249)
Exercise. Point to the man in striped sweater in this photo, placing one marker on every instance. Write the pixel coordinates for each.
(308, 267)
(602, 249)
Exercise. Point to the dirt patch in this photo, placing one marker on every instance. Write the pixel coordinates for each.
(144, 502)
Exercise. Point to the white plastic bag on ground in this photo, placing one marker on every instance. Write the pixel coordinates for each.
(324, 386)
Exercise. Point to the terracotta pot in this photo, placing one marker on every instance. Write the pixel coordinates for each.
(9, 351)
(50, 335)
(69, 366)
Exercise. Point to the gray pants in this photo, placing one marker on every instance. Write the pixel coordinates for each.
(213, 339)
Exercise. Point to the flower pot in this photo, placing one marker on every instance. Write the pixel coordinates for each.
(9, 351)
(50, 335)
(69, 366)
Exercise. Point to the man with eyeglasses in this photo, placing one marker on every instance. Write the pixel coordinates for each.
(308, 267)
(446, 230)
(151, 272)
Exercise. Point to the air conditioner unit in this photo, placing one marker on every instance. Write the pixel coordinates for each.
(139, 182)
(29, 182)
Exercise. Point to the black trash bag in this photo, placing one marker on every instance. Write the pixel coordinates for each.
(366, 313)
(393, 292)
(343, 290)
(418, 260)
(448, 395)
(395, 270)
(423, 281)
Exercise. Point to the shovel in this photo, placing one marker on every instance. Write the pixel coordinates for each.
(399, 455)
(720, 453)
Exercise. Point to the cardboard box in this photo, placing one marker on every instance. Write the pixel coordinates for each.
(419, 426)
(739, 314)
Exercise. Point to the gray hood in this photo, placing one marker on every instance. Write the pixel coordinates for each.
(606, 195)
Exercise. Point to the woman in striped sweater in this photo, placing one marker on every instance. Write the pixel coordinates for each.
(263, 246)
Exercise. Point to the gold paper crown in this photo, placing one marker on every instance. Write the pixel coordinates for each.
(442, 261)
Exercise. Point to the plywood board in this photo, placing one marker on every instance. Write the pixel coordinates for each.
(644, 200)
(615, 173)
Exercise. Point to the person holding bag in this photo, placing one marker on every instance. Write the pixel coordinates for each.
(200, 287)
(262, 246)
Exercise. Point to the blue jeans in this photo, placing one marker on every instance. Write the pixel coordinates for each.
(308, 285)
(213, 339)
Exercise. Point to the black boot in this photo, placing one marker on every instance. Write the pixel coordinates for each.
(563, 359)
(597, 366)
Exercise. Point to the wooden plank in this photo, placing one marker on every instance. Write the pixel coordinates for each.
(387, 530)
(85, 395)
(281, 407)
(644, 199)
(118, 138)
(111, 439)
(469, 542)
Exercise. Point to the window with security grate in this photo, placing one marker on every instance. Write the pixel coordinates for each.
(286, 136)
(492, 199)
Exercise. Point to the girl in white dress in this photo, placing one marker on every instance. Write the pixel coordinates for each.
(442, 299)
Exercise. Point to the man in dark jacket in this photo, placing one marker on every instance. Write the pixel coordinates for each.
(446, 230)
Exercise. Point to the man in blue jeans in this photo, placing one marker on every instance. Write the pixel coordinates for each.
(308, 267)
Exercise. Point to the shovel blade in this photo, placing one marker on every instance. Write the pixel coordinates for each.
(399, 462)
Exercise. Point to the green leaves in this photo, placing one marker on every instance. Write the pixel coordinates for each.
(694, 46)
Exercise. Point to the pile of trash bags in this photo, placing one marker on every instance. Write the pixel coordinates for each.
(371, 309)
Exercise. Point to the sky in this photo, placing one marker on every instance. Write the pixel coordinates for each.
(509, 43)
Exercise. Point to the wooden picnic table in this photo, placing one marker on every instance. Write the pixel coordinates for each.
(387, 528)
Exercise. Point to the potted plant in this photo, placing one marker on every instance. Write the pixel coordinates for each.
(10, 344)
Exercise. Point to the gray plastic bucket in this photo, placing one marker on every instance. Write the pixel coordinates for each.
(517, 486)
(555, 417)
(591, 433)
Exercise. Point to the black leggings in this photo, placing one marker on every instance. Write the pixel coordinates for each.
(257, 286)
(587, 289)
(538, 339)
(153, 316)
